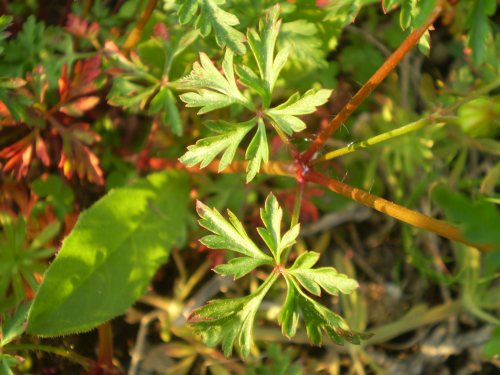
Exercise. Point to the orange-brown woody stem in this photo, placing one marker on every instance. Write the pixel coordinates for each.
(135, 35)
(369, 86)
(392, 209)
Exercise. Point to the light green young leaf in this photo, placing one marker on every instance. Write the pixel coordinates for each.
(206, 149)
(305, 260)
(214, 90)
(326, 278)
(262, 45)
(213, 17)
(229, 235)
(284, 117)
(317, 317)
(257, 151)
(230, 320)
(271, 216)
(424, 43)
(107, 261)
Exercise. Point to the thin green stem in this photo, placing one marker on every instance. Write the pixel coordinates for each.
(431, 119)
(299, 193)
(411, 127)
(72, 356)
(387, 67)
(475, 94)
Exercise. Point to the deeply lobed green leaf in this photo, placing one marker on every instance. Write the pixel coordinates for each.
(205, 150)
(230, 320)
(214, 89)
(317, 317)
(213, 18)
(284, 117)
(228, 235)
(271, 216)
(262, 45)
(326, 278)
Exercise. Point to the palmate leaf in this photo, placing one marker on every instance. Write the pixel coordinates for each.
(213, 17)
(230, 321)
(214, 90)
(284, 117)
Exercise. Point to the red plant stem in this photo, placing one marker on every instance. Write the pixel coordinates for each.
(387, 67)
(401, 213)
(276, 168)
(105, 348)
(135, 35)
(281, 168)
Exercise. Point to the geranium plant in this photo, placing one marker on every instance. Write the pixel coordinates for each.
(105, 111)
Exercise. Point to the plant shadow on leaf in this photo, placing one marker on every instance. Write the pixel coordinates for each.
(109, 258)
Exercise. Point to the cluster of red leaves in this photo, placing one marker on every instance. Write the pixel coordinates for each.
(80, 28)
(56, 134)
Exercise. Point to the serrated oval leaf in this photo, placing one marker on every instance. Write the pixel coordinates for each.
(106, 262)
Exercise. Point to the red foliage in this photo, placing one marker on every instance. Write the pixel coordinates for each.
(308, 210)
(81, 28)
(59, 134)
